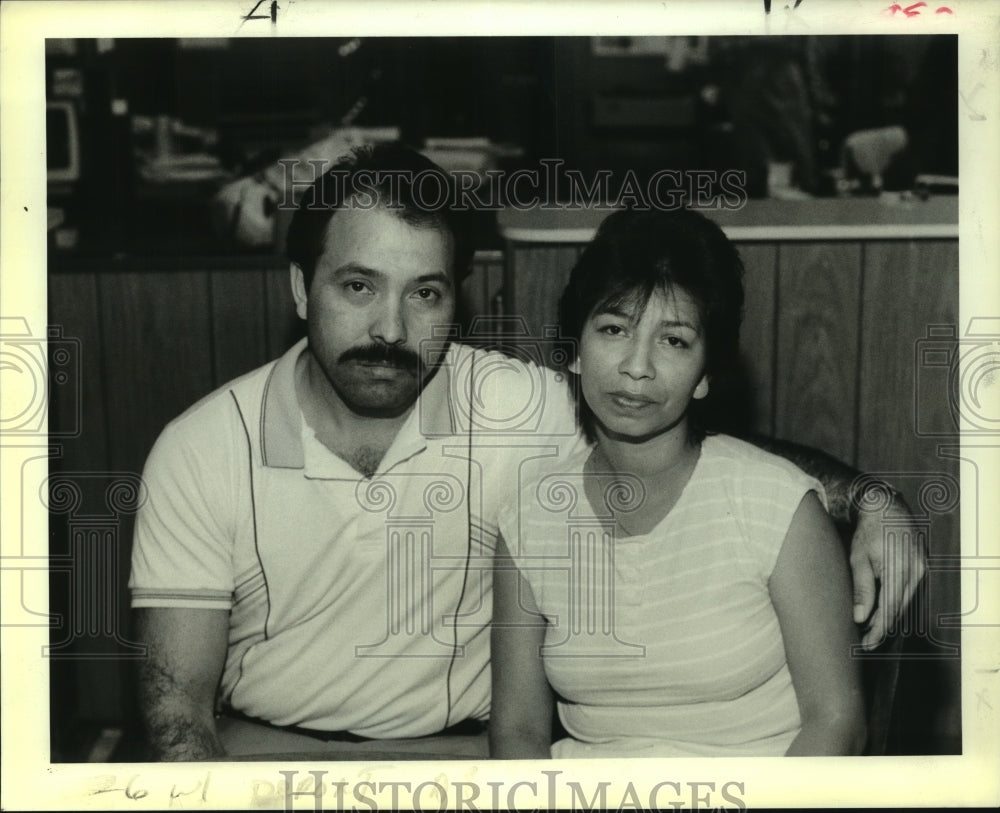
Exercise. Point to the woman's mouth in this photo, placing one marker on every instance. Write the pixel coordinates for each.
(630, 401)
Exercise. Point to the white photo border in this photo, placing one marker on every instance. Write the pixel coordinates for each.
(31, 782)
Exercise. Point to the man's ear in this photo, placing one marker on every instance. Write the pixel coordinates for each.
(574, 365)
(299, 293)
(702, 389)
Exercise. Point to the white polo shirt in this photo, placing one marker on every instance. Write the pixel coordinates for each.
(344, 590)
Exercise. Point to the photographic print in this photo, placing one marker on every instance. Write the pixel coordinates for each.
(386, 401)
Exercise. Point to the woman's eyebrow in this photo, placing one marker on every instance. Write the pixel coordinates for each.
(617, 310)
(678, 323)
(614, 310)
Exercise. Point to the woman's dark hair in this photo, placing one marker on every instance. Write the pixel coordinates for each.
(392, 176)
(636, 253)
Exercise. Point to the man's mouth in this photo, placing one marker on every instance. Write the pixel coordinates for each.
(382, 357)
(385, 370)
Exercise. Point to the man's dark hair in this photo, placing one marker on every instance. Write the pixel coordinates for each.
(636, 253)
(391, 176)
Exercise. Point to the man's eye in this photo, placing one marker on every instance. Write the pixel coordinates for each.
(427, 294)
(357, 286)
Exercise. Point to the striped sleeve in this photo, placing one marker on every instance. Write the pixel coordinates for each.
(770, 494)
(182, 547)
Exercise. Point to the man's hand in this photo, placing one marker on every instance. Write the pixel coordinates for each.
(887, 549)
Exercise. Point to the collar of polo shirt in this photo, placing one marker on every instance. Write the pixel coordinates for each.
(281, 419)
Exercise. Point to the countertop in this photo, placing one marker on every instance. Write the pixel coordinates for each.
(764, 220)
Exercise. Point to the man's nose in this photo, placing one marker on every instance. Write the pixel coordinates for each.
(389, 325)
(637, 361)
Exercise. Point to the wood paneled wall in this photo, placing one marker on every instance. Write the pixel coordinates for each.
(829, 335)
(829, 339)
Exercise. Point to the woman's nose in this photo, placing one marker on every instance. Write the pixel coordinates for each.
(637, 361)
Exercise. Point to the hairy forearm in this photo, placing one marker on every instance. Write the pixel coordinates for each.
(179, 727)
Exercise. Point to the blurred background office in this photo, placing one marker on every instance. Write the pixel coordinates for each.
(165, 232)
(162, 124)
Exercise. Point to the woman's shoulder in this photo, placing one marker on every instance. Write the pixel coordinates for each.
(754, 475)
(742, 459)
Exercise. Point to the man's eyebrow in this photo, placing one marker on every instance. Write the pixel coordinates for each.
(356, 269)
(438, 276)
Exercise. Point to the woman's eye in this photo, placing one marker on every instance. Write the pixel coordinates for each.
(676, 341)
(611, 330)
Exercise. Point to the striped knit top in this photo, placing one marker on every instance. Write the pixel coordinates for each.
(665, 644)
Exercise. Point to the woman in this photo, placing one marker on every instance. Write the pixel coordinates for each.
(712, 616)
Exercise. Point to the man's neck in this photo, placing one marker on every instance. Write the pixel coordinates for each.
(359, 439)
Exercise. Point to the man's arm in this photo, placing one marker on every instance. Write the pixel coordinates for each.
(179, 678)
(870, 556)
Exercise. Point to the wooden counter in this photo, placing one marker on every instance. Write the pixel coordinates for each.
(764, 221)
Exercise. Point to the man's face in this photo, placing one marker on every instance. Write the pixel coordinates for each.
(380, 287)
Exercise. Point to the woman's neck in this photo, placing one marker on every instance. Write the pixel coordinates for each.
(650, 458)
(664, 465)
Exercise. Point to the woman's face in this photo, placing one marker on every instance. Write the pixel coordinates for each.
(639, 371)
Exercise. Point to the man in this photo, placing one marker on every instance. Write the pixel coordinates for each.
(311, 571)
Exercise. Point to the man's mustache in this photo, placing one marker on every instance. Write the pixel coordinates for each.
(389, 354)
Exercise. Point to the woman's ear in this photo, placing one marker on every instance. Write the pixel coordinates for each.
(299, 293)
(702, 389)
